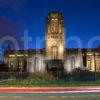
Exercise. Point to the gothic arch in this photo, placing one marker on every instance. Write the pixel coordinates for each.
(36, 63)
(73, 61)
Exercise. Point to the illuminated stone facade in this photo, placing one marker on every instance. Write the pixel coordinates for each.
(55, 36)
(54, 57)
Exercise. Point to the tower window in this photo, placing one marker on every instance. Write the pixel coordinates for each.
(54, 52)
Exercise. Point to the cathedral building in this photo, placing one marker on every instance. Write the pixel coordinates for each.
(54, 57)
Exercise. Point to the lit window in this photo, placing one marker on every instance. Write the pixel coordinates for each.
(11, 55)
(20, 55)
(56, 19)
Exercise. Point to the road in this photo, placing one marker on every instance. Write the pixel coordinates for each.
(49, 96)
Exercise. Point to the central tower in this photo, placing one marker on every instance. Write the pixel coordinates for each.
(55, 36)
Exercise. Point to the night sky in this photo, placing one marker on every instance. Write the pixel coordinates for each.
(81, 19)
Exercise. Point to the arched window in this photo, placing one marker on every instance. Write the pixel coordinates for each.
(89, 62)
(36, 64)
(54, 52)
(72, 62)
(98, 63)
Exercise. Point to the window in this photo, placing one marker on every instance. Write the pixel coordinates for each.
(89, 62)
(54, 25)
(36, 64)
(97, 63)
(89, 65)
(60, 37)
(54, 52)
(72, 62)
(20, 65)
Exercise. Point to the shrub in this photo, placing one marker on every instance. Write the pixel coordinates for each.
(82, 75)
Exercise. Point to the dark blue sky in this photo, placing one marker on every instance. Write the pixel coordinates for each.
(81, 19)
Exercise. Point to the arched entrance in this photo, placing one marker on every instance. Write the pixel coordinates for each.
(55, 67)
(54, 72)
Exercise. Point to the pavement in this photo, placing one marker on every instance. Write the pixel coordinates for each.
(49, 96)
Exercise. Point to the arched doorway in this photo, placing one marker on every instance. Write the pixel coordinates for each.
(54, 72)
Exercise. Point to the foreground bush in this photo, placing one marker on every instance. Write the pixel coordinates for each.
(82, 75)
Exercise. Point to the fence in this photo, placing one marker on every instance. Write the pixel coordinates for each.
(13, 75)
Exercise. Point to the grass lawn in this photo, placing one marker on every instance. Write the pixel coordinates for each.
(46, 83)
(45, 80)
